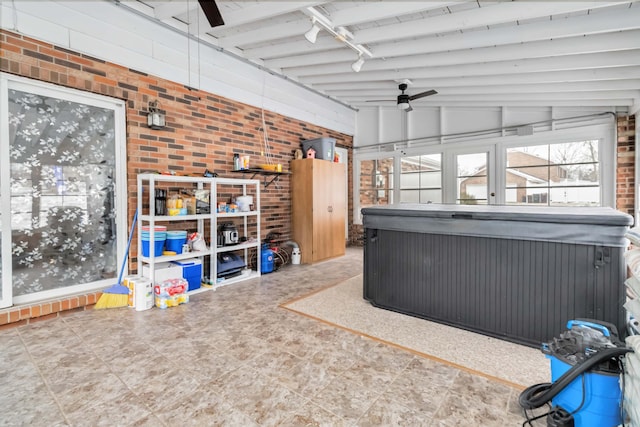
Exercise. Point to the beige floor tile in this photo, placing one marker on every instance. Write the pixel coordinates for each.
(235, 357)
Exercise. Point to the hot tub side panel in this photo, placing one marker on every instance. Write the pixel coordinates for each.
(520, 290)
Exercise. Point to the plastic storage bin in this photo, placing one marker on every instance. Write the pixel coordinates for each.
(325, 147)
(175, 240)
(163, 271)
(191, 271)
(159, 238)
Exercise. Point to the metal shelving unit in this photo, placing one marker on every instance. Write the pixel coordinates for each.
(146, 186)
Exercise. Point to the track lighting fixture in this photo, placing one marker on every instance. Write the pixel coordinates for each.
(312, 34)
(356, 66)
(341, 34)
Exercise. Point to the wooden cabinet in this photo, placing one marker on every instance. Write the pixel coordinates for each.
(318, 208)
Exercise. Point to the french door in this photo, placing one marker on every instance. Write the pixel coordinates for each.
(472, 174)
(63, 202)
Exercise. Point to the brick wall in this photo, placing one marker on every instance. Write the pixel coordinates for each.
(625, 172)
(203, 130)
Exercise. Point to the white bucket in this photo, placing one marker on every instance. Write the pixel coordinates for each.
(244, 203)
(295, 256)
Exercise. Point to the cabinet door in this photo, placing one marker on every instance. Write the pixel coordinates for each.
(322, 197)
(338, 209)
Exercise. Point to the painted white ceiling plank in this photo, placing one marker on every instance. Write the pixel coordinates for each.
(573, 62)
(523, 102)
(311, 59)
(491, 15)
(539, 96)
(604, 103)
(169, 9)
(613, 21)
(294, 30)
(598, 74)
(626, 84)
(375, 11)
(299, 46)
(569, 46)
(261, 10)
(557, 29)
(550, 49)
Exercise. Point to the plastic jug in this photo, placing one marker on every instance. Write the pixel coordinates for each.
(266, 260)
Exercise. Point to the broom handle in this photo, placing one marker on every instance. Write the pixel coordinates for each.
(126, 253)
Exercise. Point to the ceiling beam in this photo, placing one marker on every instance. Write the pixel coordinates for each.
(359, 12)
(259, 11)
(565, 76)
(571, 62)
(609, 21)
(496, 13)
(600, 22)
(524, 88)
(608, 42)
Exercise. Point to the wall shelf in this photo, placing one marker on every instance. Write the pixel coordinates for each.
(275, 175)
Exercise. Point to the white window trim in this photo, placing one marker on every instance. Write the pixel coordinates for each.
(604, 133)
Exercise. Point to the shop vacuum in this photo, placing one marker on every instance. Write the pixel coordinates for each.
(586, 374)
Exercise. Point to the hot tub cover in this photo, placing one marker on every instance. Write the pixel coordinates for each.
(583, 225)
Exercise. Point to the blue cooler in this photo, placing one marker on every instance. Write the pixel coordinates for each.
(175, 240)
(191, 271)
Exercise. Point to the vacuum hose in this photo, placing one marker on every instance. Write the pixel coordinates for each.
(537, 395)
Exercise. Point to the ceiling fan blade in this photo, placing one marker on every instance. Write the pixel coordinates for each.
(422, 94)
(379, 100)
(210, 9)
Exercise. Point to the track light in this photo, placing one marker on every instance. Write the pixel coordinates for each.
(356, 66)
(312, 34)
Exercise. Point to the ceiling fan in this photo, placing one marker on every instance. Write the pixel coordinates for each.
(403, 98)
(211, 11)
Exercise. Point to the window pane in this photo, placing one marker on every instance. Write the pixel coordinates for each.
(62, 192)
(472, 178)
(376, 182)
(571, 178)
(424, 175)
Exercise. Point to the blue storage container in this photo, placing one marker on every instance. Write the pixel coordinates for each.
(175, 241)
(602, 396)
(191, 271)
(158, 243)
(266, 260)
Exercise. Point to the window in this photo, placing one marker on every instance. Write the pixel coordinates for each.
(376, 182)
(564, 174)
(421, 179)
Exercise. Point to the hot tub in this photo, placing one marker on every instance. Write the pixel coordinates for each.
(513, 272)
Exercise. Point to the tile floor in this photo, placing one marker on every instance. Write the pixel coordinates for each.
(233, 357)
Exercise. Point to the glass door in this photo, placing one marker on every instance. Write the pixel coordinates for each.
(475, 177)
(60, 161)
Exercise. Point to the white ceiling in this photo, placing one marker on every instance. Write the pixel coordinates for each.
(474, 53)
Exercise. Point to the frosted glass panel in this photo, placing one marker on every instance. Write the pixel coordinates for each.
(62, 192)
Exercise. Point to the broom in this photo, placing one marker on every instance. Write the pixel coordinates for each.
(118, 294)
